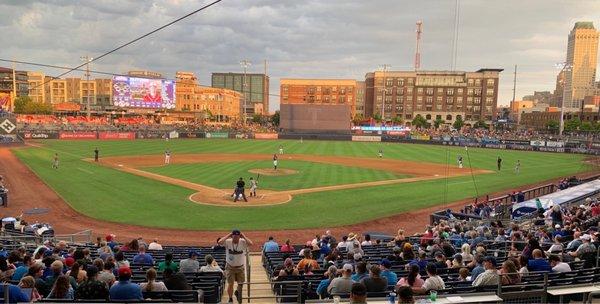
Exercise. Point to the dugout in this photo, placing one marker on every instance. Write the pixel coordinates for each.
(315, 119)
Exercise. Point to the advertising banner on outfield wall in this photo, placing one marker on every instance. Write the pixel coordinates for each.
(8, 125)
(77, 135)
(116, 135)
(555, 144)
(366, 138)
(266, 135)
(40, 135)
(191, 135)
(217, 134)
(537, 143)
(240, 136)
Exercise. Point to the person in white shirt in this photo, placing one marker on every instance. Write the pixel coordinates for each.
(558, 265)
(367, 241)
(151, 284)
(490, 275)
(236, 244)
(433, 282)
(155, 245)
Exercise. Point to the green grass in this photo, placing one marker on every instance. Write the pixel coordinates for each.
(109, 194)
(310, 175)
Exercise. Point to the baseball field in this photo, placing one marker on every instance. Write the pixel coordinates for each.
(319, 183)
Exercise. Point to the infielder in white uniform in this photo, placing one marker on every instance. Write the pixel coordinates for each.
(280, 150)
(167, 157)
(253, 186)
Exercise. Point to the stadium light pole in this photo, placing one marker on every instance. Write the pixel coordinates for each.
(87, 60)
(384, 68)
(564, 67)
(245, 64)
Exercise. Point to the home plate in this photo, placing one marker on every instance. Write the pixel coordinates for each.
(437, 175)
(120, 165)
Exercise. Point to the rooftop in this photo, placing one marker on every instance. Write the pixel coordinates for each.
(584, 25)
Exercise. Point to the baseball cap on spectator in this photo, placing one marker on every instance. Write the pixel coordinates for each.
(351, 236)
(385, 263)
(348, 267)
(586, 237)
(192, 253)
(490, 259)
(235, 232)
(69, 262)
(124, 271)
(110, 237)
(557, 226)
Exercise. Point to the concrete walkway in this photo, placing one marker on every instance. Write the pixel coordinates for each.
(257, 274)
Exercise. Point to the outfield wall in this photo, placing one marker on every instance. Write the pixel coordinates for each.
(570, 146)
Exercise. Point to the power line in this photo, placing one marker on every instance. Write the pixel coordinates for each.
(134, 40)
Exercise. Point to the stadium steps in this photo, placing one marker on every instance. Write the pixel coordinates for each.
(257, 274)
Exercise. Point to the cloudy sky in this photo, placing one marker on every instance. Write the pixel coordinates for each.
(327, 38)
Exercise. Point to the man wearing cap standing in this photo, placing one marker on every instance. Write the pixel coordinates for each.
(124, 290)
(490, 275)
(236, 244)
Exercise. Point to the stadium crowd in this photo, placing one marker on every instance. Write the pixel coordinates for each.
(451, 254)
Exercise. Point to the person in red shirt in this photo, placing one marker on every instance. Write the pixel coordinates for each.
(287, 247)
(596, 209)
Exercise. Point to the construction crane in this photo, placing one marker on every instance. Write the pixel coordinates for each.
(418, 48)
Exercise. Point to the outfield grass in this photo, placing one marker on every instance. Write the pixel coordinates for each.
(310, 175)
(108, 194)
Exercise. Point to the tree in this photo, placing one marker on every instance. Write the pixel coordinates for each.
(20, 104)
(480, 124)
(586, 126)
(358, 118)
(419, 121)
(552, 125)
(257, 118)
(377, 117)
(397, 120)
(275, 118)
(572, 124)
(458, 123)
(438, 122)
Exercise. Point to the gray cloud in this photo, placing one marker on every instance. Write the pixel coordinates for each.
(332, 38)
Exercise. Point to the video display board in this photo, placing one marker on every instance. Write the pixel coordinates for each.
(137, 92)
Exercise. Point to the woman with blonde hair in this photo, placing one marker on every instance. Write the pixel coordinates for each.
(467, 257)
(28, 282)
(151, 284)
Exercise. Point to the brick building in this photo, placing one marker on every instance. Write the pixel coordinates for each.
(319, 91)
(257, 89)
(223, 104)
(433, 94)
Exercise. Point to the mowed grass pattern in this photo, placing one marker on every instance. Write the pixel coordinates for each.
(310, 175)
(109, 194)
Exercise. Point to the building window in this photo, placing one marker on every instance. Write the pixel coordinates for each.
(400, 82)
(429, 100)
(419, 107)
(419, 99)
(477, 92)
(285, 89)
(489, 101)
(428, 116)
(489, 92)
(389, 82)
(449, 100)
(400, 99)
(388, 98)
(440, 90)
(478, 82)
(438, 99)
(419, 90)
(438, 107)
(448, 117)
(491, 82)
(411, 81)
(470, 82)
(429, 91)
(409, 91)
(477, 100)
(450, 91)
(400, 91)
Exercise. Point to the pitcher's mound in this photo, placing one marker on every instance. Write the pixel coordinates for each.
(272, 172)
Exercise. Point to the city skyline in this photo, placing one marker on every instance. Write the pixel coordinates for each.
(336, 39)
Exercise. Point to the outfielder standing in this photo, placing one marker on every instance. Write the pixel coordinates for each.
(460, 161)
(55, 162)
(518, 167)
(499, 161)
(275, 162)
(280, 149)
